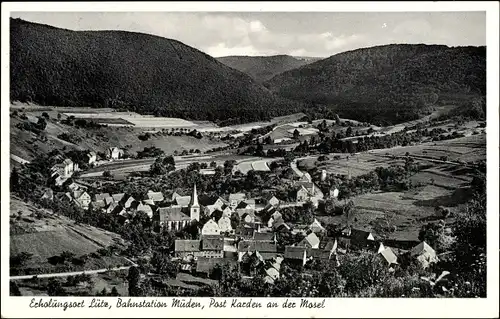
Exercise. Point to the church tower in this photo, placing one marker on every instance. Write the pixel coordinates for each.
(194, 207)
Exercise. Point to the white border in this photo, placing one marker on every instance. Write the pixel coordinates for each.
(335, 307)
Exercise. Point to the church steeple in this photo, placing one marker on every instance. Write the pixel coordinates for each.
(194, 207)
(194, 198)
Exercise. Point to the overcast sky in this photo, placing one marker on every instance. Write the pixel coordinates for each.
(303, 34)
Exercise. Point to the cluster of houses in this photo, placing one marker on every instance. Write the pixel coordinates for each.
(60, 172)
(251, 242)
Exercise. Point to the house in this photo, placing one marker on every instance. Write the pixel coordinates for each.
(112, 208)
(273, 271)
(102, 199)
(311, 241)
(48, 194)
(306, 177)
(246, 215)
(302, 194)
(267, 250)
(269, 236)
(182, 201)
(69, 167)
(220, 203)
(225, 225)
(185, 248)
(117, 198)
(172, 217)
(388, 256)
(74, 187)
(81, 198)
(227, 212)
(156, 197)
(296, 254)
(212, 246)
(327, 250)
(424, 254)
(114, 153)
(149, 202)
(358, 239)
(250, 203)
(91, 157)
(210, 209)
(128, 202)
(279, 225)
(58, 178)
(316, 227)
(273, 201)
(235, 199)
(210, 228)
(146, 209)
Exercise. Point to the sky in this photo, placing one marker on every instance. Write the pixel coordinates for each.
(314, 34)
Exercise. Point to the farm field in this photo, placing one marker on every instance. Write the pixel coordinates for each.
(465, 149)
(398, 215)
(55, 234)
(28, 146)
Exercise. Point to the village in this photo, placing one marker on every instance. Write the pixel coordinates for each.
(235, 229)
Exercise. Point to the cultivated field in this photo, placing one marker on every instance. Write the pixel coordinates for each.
(398, 215)
(54, 234)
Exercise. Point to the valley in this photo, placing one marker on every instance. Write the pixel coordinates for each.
(141, 166)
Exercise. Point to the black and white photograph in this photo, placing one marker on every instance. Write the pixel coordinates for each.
(247, 157)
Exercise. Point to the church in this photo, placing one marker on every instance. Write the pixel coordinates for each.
(176, 217)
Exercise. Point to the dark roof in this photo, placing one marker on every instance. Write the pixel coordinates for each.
(318, 253)
(172, 213)
(101, 196)
(212, 243)
(263, 236)
(242, 205)
(187, 245)
(294, 252)
(258, 245)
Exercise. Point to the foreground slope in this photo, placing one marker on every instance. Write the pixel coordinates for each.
(139, 72)
(263, 68)
(391, 83)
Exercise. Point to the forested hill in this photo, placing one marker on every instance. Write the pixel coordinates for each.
(262, 68)
(390, 83)
(138, 72)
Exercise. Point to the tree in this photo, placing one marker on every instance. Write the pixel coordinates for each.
(114, 292)
(45, 115)
(296, 134)
(54, 288)
(20, 259)
(213, 164)
(163, 265)
(436, 236)
(14, 289)
(134, 286)
(107, 174)
(42, 123)
(162, 165)
(14, 180)
(228, 166)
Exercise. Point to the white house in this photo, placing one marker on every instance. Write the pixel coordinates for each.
(225, 225)
(235, 199)
(210, 228)
(91, 157)
(114, 153)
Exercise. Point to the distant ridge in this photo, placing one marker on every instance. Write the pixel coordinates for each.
(263, 68)
(138, 72)
(390, 83)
